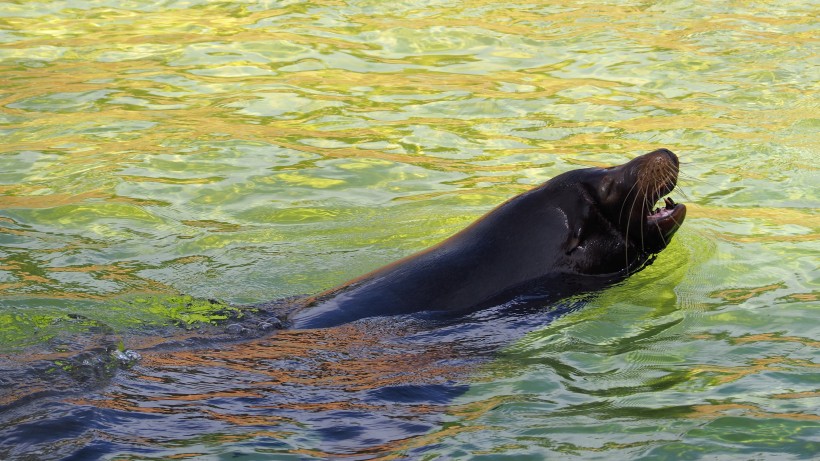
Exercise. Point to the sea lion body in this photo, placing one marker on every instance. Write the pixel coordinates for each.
(590, 222)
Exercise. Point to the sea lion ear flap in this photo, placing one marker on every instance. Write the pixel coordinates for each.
(575, 240)
(578, 229)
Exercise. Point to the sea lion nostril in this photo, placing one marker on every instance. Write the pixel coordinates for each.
(671, 155)
(663, 157)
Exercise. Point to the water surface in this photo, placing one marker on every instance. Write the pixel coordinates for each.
(157, 155)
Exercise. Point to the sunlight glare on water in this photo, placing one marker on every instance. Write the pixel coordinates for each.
(158, 154)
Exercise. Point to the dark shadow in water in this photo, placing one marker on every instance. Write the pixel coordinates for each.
(357, 391)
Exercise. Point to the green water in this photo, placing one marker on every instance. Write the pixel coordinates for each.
(249, 151)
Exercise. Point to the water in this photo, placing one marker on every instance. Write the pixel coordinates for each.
(157, 155)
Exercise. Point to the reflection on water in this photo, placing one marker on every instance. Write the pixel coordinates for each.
(364, 389)
(250, 151)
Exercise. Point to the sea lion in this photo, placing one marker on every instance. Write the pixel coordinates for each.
(595, 223)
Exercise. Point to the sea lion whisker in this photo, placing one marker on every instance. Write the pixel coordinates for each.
(628, 222)
(665, 243)
(645, 195)
(641, 192)
(682, 192)
(686, 177)
(621, 212)
(672, 173)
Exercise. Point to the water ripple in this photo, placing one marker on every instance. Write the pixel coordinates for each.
(251, 151)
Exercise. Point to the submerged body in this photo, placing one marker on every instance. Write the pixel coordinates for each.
(592, 222)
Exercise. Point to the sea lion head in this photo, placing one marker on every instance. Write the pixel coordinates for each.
(618, 227)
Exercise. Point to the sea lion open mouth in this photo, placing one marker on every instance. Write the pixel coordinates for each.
(668, 218)
(667, 211)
